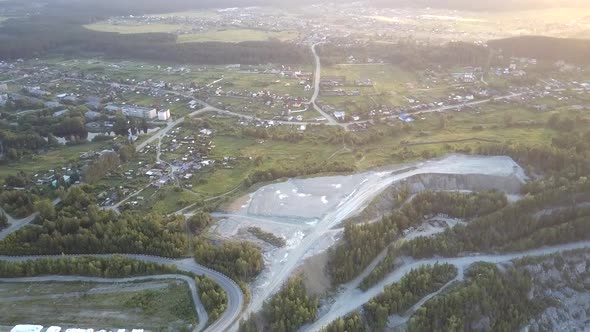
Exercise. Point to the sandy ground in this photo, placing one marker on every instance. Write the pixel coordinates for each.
(314, 273)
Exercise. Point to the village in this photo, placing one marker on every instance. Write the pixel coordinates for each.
(152, 97)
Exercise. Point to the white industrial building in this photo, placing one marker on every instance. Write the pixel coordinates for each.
(138, 112)
(164, 115)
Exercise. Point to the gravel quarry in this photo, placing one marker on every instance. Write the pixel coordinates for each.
(305, 211)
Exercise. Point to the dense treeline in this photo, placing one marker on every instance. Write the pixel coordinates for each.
(199, 222)
(352, 322)
(286, 311)
(490, 301)
(411, 55)
(399, 297)
(514, 227)
(307, 168)
(213, 297)
(240, 261)
(41, 35)
(571, 50)
(548, 160)
(291, 307)
(18, 203)
(362, 243)
(80, 226)
(14, 145)
(267, 237)
(454, 204)
(3, 221)
(115, 267)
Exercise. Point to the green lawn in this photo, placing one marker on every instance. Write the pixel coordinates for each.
(168, 200)
(236, 36)
(169, 306)
(225, 36)
(51, 160)
(130, 29)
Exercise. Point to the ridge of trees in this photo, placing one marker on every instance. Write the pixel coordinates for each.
(488, 300)
(214, 298)
(399, 297)
(286, 311)
(308, 168)
(362, 243)
(114, 267)
(267, 237)
(353, 322)
(241, 261)
(512, 228)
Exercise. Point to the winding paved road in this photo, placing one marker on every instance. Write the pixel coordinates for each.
(233, 291)
(200, 309)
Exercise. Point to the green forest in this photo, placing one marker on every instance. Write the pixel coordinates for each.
(489, 300)
(362, 243)
(79, 226)
(213, 297)
(286, 311)
(115, 267)
(353, 322)
(397, 298)
(241, 261)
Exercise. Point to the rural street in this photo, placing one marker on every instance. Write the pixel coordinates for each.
(316, 89)
(200, 309)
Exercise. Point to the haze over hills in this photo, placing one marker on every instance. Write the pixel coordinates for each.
(155, 6)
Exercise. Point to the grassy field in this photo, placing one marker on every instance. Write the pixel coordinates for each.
(225, 36)
(148, 305)
(392, 86)
(167, 200)
(139, 28)
(52, 160)
(236, 36)
(463, 129)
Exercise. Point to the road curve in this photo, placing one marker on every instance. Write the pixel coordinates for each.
(233, 291)
(355, 298)
(199, 308)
